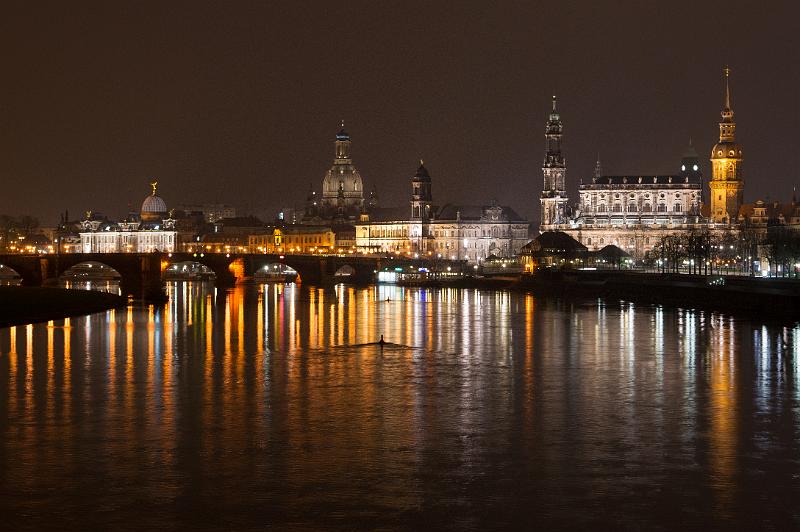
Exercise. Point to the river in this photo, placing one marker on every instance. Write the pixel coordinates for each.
(272, 407)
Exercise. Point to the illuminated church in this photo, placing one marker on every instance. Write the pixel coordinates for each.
(633, 212)
(342, 197)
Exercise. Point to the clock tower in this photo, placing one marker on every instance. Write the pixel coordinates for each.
(727, 183)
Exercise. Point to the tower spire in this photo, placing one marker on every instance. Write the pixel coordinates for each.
(554, 195)
(727, 72)
(598, 168)
(726, 183)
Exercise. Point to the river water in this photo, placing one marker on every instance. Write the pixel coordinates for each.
(271, 407)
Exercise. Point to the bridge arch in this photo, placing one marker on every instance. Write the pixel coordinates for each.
(91, 268)
(91, 275)
(276, 271)
(188, 271)
(344, 271)
(9, 276)
(226, 268)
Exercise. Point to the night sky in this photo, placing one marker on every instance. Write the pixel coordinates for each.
(238, 102)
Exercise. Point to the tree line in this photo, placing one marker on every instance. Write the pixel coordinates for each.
(705, 252)
(13, 227)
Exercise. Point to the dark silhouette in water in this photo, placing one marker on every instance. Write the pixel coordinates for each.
(381, 342)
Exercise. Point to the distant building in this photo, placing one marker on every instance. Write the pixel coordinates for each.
(293, 239)
(342, 197)
(464, 232)
(211, 212)
(635, 212)
(553, 249)
(152, 229)
(760, 214)
(227, 235)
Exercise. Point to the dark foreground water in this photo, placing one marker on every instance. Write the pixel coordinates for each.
(269, 408)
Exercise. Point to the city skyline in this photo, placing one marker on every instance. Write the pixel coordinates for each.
(228, 131)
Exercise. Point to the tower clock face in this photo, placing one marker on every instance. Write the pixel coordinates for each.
(683, 168)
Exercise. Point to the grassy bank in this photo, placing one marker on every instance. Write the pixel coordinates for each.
(20, 305)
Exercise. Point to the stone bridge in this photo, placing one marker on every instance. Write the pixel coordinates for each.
(141, 272)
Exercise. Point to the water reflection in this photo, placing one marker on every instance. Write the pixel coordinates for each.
(100, 285)
(272, 405)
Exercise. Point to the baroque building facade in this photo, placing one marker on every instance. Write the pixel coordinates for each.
(634, 212)
(152, 229)
(458, 232)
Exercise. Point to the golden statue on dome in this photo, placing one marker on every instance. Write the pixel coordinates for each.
(154, 184)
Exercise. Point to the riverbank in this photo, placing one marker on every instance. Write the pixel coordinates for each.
(776, 298)
(21, 305)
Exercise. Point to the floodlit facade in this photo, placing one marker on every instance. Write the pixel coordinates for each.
(151, 230)
(458, 232)
(634, 212)
(294, 239)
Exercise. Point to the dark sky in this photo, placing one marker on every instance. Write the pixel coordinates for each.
(238, 102)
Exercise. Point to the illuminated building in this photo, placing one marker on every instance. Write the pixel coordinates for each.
(635, 212)
(463, 232)
(293, 239)
(212, 212)
(554, 169)
(727, 184)
(342, 196)
(153, 229)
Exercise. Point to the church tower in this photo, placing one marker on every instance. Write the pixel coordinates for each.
(421, 198)
(727, 184)
(421, 194)
(554, 170)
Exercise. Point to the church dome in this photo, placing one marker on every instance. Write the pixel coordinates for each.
(344, 176)
(342, 187)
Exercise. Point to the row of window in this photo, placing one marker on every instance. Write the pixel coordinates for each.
(646, 195)
(602, 241)
(633, 207)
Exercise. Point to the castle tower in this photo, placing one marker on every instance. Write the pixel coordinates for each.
(554, 170)
(691, 173)
(727, 184)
